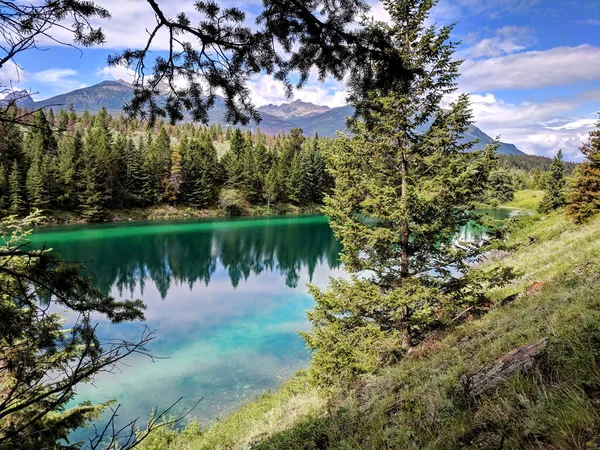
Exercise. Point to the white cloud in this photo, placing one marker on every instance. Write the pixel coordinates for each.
(589, 22)
(537, 128)
(115, 73)
(11, 74)
(58, 79)
(505, 40)
(531, 70)
(451, 10)
(265, 90)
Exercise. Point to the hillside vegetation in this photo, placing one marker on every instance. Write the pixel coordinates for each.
(425, 401)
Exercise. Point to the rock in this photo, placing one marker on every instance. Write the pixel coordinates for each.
(509, 299)
(505, 367)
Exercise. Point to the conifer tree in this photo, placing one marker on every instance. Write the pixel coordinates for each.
(584, 197)
(297, 179)
(271, 187)
(69, 156)
(3, 188)
(316, 176)
(36, 185)
(198, 184)
(16, 190)
(96, 150)
(133, 174)
(173, 189)
(404, 185)
(232, 160)
(554, 196)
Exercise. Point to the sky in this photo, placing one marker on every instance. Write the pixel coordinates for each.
(532, 67)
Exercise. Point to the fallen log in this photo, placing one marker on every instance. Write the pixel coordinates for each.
(504, 368)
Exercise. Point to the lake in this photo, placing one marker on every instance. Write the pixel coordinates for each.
(226, 299)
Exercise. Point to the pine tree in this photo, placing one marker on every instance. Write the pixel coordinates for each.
(232, 160)
(316, 176)
(36, 185)
(584, 197)
(198, 185)
(404, 185)
(156, 162)
(297, 179)
(16, 190)
(69, 169)
(554, 197)
(4, 189)
(97, 147)
(173, 189)
(133, 174)
(271, 187)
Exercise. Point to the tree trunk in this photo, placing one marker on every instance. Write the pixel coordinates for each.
(404, 240)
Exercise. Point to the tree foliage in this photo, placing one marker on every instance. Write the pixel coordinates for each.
(42, 358)
(399, 200)
(554, 196)
(584, 197)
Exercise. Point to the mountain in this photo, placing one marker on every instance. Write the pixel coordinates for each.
(276, 119)
(22, 98)
(331, 120)
(110, 94)
(295, 109)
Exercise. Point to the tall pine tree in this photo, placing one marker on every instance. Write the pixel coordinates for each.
(404, 186)
(554, 195)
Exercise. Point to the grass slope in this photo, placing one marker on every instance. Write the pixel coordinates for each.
(421, 403)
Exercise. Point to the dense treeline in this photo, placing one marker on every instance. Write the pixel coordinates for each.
(94, 163)
(531, 163)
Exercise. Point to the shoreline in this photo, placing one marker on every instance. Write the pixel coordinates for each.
(171, 212)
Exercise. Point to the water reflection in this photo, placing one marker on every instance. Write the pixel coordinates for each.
(130, 255)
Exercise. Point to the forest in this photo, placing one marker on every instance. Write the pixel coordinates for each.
(94, 163)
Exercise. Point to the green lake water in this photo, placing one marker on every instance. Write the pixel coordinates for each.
(226, 299)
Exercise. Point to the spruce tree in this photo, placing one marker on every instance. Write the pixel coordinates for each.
(584, 197)
(232, 160)
(173, 189)
(17, 203)
(297, 179)
(271, 187)
(133, 174)
(404, 186)
(198, 184)
(36, 185)
(4, 196)
(554, 195)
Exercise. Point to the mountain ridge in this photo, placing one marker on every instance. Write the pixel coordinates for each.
(276, 119)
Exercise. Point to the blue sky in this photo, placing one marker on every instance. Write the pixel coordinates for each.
(532, 66)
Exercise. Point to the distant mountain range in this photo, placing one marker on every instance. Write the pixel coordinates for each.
(275, 118)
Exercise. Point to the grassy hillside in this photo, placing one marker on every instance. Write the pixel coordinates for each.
(427, 401)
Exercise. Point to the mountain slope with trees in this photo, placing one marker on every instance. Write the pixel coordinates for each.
(276, 119)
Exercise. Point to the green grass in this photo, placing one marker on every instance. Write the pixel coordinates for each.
(421, 402)
(526, 200)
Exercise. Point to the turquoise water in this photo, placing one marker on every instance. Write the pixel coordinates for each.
(225, 298)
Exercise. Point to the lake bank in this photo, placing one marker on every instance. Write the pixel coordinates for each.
(175, 212)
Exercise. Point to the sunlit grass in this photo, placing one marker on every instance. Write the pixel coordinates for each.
(527, 200)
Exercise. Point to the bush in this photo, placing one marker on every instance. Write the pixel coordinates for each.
(233, 203)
